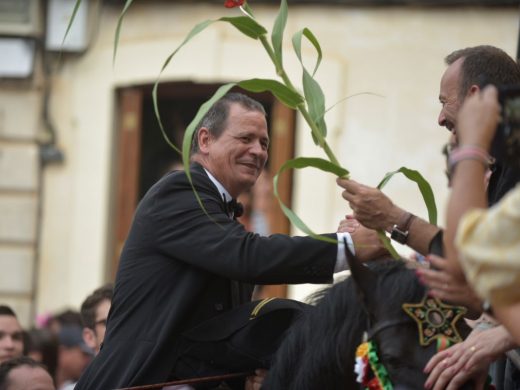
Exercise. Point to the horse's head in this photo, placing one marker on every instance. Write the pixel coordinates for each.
(392, 332)
(319, 351)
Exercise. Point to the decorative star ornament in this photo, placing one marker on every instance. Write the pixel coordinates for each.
(435, 319)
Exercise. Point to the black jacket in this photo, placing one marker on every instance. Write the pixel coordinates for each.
(179, 268)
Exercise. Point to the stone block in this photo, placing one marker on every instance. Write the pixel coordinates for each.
(19, 218)
(20, 113)
(17, 265)
(18, 167)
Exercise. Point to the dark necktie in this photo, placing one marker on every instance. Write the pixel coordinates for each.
(235, 208)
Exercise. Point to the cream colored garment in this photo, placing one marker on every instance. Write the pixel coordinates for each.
(488, 242)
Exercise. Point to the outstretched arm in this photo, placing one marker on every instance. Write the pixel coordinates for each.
(375, 210)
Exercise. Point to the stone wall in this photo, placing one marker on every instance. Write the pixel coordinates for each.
(20, 115)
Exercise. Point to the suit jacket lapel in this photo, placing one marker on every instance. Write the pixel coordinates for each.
(240, 292)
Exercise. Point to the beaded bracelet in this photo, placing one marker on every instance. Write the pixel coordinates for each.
(469, 153)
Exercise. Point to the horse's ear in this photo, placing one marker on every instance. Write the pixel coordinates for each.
(364, 279)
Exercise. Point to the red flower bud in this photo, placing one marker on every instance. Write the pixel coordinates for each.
(233, 3)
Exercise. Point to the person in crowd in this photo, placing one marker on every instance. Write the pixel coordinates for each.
(468, 71)
(67, 317)
(183, 264)
(24, 373)
(94, 314)
(42, 346)
(11, 334)
(73, 356)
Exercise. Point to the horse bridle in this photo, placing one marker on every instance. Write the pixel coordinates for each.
(382, 325)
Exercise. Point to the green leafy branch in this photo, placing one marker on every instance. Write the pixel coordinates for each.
(311, 104)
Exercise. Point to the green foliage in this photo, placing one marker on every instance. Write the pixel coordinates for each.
(277, 34)
(313, 93)
(71, 20)
(246, 25)
(300, 163)
(286, 95)
(191, 130)
(311, 105)
(424, 187)
(118, 28)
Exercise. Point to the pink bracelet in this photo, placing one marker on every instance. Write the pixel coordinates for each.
(469, 153)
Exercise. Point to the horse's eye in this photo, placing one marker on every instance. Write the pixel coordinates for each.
(392, 362)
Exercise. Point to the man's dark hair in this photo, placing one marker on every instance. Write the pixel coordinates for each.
(7, 311)
(90, 304)
(484, 65)
(67, 317)
(46, 343)
(216, 117)
(9, 365)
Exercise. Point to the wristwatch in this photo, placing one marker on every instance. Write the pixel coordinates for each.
(399, 231)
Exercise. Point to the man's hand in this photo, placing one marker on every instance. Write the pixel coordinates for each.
(470, 359)
(348, 225)
(445, 286)
(371, 207)
(255, 382)
(366, 242)
(478, 118)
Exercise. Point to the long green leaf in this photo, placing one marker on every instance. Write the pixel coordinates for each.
(286, 95)
(424, 187)
(315, 102)
(313, 93)
(248, 9)
(387, 243)
(297, 44)
(118, 29)
(278, 29)
(300, 163)
(243, 23)
(352, 96)
(246, 25)
(71, 20)
(192, 127)
(194, 31)
(190, 132)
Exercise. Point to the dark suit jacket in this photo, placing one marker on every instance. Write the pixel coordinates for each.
(176, 270)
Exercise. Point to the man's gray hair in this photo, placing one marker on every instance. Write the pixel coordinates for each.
(216, 117)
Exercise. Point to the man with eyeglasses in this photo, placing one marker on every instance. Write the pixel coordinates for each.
(94, 313)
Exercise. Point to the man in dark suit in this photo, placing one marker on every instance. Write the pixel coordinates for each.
(182, 265)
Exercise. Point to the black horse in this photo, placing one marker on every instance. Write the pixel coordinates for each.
(319, 351)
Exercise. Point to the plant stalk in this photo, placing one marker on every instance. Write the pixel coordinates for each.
(301, 107)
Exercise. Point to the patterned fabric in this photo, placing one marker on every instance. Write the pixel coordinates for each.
(488, 242)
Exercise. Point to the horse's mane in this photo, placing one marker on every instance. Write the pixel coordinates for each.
(319, 351)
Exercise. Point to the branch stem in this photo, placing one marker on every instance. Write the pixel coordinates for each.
(301, 107)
